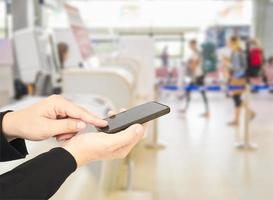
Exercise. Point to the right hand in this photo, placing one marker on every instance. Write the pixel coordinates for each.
(101, 146)
(52, 117)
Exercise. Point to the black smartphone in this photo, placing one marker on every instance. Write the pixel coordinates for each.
(137, 115)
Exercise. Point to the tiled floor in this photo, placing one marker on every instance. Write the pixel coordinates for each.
(200, 160)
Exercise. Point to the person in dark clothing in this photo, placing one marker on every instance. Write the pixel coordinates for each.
(165, 57)
(41, 177)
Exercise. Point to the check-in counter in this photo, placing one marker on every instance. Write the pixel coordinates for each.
(6, 71)
(6, 84)
(123, 62)
(113, 83)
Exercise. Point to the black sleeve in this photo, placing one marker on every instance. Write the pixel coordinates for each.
(13, 150)
(38, 178)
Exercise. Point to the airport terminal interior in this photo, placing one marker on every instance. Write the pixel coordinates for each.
(210, 61)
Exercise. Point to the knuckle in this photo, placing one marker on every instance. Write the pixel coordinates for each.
(123, 155)
(71, 126)
(55, 97)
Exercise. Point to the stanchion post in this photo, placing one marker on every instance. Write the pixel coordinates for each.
(246, 143)
(129, 164)
(154, 145)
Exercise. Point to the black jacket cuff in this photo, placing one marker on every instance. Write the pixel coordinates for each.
(38, 178)
(13, 150)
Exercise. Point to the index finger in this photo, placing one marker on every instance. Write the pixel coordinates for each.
(74, 111)
(112, 113)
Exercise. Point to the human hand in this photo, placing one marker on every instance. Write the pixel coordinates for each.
(89, 147)
(53, 116)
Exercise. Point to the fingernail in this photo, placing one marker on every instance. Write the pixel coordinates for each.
(81, 125)
(139, 129)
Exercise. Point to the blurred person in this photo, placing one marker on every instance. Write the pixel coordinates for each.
(63, 53)
(197, 75)
(255, 61)
(165, 57)
(63, 50)
(237, 77)
(268, 73)
(42, 176)
(224, 65)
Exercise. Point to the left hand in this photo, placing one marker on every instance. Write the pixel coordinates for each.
(89, 147)
(53, 117)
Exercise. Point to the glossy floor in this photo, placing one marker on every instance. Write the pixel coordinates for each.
(200, 160)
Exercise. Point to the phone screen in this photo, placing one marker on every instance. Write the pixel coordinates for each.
(139, 114)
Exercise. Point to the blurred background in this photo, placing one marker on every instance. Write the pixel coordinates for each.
(211, 61)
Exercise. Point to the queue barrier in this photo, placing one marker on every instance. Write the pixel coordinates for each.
(216, 88)
(246, 143)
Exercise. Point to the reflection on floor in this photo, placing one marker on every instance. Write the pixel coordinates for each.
(200, 160)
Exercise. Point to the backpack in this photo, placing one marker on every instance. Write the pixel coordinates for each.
(209, 63)
(255, 57)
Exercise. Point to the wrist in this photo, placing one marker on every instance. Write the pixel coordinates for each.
(81, 155)
(8, 126)
(74, 154)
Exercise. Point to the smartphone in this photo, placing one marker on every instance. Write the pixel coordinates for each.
(137, 115)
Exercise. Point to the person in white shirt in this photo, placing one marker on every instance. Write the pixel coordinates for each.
(195, 71)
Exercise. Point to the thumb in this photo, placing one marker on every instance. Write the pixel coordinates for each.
(67, 125)
(128, 136)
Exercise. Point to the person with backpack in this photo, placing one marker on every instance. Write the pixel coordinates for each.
(237, 74)
(255, 59)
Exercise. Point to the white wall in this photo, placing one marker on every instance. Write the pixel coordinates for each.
(74, 56)
(263, 22)
(164, 14)
(142, 49)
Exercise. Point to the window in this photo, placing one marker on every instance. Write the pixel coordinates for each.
(174, 47)
(2, 19)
